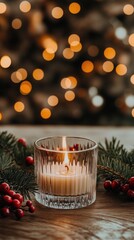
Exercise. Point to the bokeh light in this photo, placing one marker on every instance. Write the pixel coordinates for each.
(1, 116)
(73, 37)
(97, 101)
(25, 87)
(132, 79)
(45, 113)
(87, 66)
(57, 12)
(131, 40)
(53, 100)
(5, 61)
(74, 7)
(16, 23)
(109, 52)
(92, 91)
(128, 9)
(25, 6)
(68, 53)
(16, 77)
(23, 73)
(3, 7)
(108, 66)
(121, 69)
(38, 74)
(19, 106)
(129, 100)
(120, 33)
(49, 44)
(47, 55)
(132, 112)
(76, 46)
(69, 95)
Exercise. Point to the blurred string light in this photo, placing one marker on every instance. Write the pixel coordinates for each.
(120, 33)
(38, 74)
(109, 52)
(1, 116)
(19, 75)
(92, 91)
(68, 53)
(57, 12)
(47, 55)
(16, 23)
(74, 7)
(45, 113)
(128, 9)
(49, 44)
(129, 100)
(69, 95)
(73, 37)
(19, 106)
(87, 66)
(108, 66)
(74, 41)
(97, 101)
(68, 82)
(93, 50)
(5, 61)
(132, 79)
(3, 7)
(25, 88)
(53, 100)
(132, 112)
(131, 40)
(121, 69)
(25, 6)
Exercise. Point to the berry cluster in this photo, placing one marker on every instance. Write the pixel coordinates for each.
(11, 202)
(126, 188)
(29, 160)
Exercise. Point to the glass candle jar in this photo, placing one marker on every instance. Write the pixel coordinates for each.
(65, 169)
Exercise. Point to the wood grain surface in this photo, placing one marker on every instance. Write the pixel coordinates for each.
(109, 218)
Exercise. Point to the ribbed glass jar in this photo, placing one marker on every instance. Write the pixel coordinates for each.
(65, 168)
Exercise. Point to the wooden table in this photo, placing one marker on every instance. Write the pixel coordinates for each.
(108, 218)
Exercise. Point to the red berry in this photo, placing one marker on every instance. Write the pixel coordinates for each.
(18, 196)
(131, 182)
(7, 199)
(107, 185)
(5, 211)
(29, 160)
(125, 188)
(16, 203)
(115, 185)
(19, 213)
(22, 141)
(11, 193)
(4, 187)
(31, 209)
(28, 203)
(130, 194)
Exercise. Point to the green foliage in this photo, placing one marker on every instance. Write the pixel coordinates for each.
(13, 168)
(115, 161)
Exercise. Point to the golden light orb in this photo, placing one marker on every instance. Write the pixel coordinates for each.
(25, 88)
(74, 7)
(48, 56)
(68, 53)
(69, 95)
(16, 23)
(1, 116)
(53, 100)
(19, 106)
(73, 37)
(109, 53)
(128, 9)
(38, 74)
(57, 12)
(5, 61)
(45, 113)
(87, 66)
(25, 6)
(49, 44)
(3, 7)
(23, 73)
(108, 66)
(121, 69)
(131, 40)
(132, 79)
(76, 46)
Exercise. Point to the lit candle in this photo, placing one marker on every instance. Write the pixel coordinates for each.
(66, 178)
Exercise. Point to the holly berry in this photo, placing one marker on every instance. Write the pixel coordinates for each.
(22, 141)
(19, 213)
(131, 182)
(16, 203)
(7, 199)
(28, 203)
(31, 209)
(108, 185)
(130, 194)
(11, 193)
(5, 211)
(29, 160)
(18, 196)
(115, 185)
(125, 188)
(4, 187)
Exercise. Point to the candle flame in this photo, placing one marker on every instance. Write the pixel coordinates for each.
(64, 146)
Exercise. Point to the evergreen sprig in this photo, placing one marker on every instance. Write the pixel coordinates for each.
(114, 161)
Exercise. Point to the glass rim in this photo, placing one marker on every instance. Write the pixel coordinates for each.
(63, 151)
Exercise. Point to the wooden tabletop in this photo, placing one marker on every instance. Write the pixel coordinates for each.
(108, 218)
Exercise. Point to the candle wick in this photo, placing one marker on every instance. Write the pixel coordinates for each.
(67, 168)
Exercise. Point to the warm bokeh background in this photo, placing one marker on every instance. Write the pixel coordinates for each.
(66, 62)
